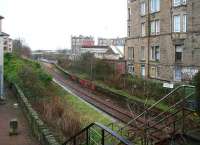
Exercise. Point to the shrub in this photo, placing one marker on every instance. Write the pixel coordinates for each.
(60, 116)
(197, 84)
(28, 75)
(103, 70)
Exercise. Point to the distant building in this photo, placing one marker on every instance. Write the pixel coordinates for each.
(8, 44)
(102, 52)
(112, 41)
(81, 41)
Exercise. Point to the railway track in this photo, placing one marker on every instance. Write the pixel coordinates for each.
(114, 111)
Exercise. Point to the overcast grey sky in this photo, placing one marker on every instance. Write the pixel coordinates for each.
(49, 24)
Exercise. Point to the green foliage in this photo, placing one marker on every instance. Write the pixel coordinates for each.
(84, 64)
(88, 67)
(91, 67)
(197, 84)
(103, 70)
(27, 74)
(141, 87)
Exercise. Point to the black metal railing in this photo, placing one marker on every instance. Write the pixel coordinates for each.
(95, 134)
(166, 97)
(156, 124)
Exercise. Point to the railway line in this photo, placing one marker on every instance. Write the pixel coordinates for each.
(121, 114)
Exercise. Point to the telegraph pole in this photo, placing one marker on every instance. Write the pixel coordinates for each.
(1, 68)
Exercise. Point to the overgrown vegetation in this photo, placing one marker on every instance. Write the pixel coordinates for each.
(63, 112)
(88, 67)
(60, 116)
(28, 75)
(197, 84)
(94, 69)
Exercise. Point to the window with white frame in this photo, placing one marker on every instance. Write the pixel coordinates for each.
(155, 6)
(180, 23)
(142, 70)
(142, 8)
(143, 29)
(177, 23)
(155, 27)
(185, 23)
(153, 72)
(155, 53)
(179, 53)
(129, 31)
(179, 2)
(177, 73)
(129, 14)
(142, 53)
(130, 53)
(176, 2)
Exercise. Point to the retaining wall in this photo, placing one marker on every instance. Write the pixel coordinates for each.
(38, 127)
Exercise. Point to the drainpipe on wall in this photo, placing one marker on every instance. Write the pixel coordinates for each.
(148, 43)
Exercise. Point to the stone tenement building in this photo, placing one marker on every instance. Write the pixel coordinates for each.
(163, 39)
(8, 44)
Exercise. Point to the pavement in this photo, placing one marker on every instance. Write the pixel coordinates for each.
(9, 112)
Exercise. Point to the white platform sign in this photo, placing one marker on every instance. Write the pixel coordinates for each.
(168, 85)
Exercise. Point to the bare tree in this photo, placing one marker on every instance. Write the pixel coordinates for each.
(21, 49)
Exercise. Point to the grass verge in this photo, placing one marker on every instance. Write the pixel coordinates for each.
(88, 113)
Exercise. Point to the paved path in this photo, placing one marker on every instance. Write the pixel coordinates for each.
(8, 112)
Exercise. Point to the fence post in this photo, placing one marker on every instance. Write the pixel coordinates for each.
(102, 135)
(183, 112)
(74, 141)
(87, 137)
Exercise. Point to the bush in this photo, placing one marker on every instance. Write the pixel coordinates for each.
(60, 116)
(28, 75)
(197, 84)
(103, 70)
(141, 87)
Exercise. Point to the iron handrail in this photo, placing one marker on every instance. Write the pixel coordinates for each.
(108, 130)
(156, 103)
(172, 107)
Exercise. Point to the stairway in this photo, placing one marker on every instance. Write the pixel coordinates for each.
(97, 134)
(148, 128)
(153, 128)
